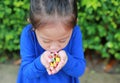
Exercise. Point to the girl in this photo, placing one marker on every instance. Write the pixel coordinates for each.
(52, 30)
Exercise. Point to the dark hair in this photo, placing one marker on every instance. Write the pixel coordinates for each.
(42, 11)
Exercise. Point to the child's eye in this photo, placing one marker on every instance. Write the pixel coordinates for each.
(62, 41)
(46, 41)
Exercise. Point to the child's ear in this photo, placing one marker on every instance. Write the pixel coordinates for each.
(28, 20)
(77, 20)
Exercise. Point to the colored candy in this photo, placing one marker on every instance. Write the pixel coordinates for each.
(55, 59)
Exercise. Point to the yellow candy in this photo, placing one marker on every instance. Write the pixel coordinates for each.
(57, 59)
(52, 64)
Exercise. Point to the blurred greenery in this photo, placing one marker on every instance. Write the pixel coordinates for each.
(100, 25)
(99, 21)
(13, 15)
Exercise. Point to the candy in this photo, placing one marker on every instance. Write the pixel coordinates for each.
(55, 59)
(51, 64)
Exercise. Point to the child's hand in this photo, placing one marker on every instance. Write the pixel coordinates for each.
(45, 59)
(63, 60)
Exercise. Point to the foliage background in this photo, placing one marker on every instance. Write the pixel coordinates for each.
(99, 21)
(13, 15)
(100, 25)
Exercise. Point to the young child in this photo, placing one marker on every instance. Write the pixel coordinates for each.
(53, 31)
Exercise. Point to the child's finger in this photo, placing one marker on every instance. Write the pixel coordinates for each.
(47, 62)
(45, 59)
(63, 55)
(54, 71)
(60, 65)
(49, 72)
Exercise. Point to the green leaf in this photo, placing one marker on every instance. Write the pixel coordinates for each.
(2, 14)
(18, 3)
(117, 36)
(7, 2)
(8, 10)
(117, 56)
(110, 44)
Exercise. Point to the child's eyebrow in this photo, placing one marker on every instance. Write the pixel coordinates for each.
(44, 38)
(64, 38)
(58, 39)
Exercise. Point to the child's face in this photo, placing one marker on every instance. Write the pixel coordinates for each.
(53, 37)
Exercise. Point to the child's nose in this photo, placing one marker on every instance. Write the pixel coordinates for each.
(54, 47)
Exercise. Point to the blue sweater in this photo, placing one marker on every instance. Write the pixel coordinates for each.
(31, 68)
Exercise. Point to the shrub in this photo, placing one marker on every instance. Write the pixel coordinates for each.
(13, 15)
(100, 25)
(99, 21)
